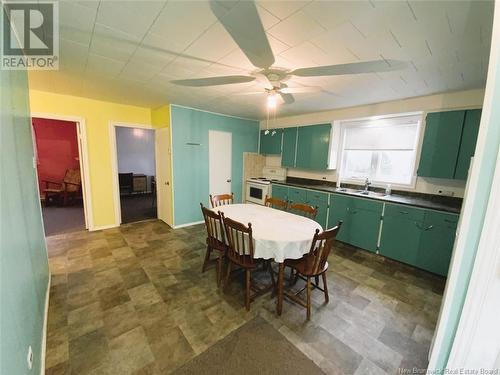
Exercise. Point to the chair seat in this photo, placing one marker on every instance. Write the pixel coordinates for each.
(305, 265)
(246, 261)
(216, 244)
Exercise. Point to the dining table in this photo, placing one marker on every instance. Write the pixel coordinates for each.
(277, 235)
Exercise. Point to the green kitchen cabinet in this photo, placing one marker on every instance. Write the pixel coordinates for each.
(271, 144)
(280, 192)
(436, 242)
(313, 147)
(401, 231)
(365, 223)
(467, 143)
(289, 147)
(297, 195)
(339, 211)
(320, 200)
(441, 144)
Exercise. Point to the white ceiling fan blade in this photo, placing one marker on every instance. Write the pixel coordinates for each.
(351, 68)
(299, 90)
(287, 98)
(244, 25)
(213, 81)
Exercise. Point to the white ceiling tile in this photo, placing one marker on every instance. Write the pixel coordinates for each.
(237, 59)
(213, 45)
(103, 66)
(142, 72)
(112, 43)
(76, 22)
(72, 56)
(296, 29)
(332, 13)
(131, 17)
(152, 55)
(282, 9)
(267, 18)
(306, 54)
(182, 22)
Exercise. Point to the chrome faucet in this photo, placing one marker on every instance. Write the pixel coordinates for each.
(367, 184)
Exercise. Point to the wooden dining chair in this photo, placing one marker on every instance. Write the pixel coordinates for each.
(240, 253)
(280, 204)
(313, 264)
(221, 199)
(215, 240)
(303, 209)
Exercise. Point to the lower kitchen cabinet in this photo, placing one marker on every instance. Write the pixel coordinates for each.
(419, 237)
(400, 239)
(280, 192)
(364, 228)
(296, 195)
(319, 200)
(436, 242)
(339, 211)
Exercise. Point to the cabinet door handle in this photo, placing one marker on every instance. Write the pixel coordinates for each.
(429, 227)
(450, 221)
(403, 212)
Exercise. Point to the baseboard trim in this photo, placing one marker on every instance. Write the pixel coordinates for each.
(44, 332)
(188, 224)
(102, 227)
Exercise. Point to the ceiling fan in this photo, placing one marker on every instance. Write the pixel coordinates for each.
(244, 25)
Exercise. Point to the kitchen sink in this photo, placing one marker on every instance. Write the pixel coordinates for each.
(370, 193)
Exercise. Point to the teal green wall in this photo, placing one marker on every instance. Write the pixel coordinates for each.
(479, 205)
(190, 162)
(23, 255)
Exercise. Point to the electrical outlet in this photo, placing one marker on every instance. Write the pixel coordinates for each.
(446, 193)
(29, 358)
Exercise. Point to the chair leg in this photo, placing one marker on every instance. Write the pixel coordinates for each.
(247, 291)
(228, 275)
(308, 298)
(207, 259)
(272, 278)
(316, 280)
(325, 288)
(219, 270)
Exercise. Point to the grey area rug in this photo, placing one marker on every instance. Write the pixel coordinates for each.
(254, 348)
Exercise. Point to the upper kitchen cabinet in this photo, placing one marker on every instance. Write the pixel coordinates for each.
(313, 147)
(289, 147)
(270, 144)
(449, 143)
(443, 132)
(468, 143)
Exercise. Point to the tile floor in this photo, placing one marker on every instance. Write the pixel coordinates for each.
(132, 300)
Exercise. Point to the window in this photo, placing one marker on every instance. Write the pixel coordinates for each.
(383, 150)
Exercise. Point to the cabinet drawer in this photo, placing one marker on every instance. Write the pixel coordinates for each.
(441, 219)
(316, 196)
(366, 204)
(406, 212)
(297, 195)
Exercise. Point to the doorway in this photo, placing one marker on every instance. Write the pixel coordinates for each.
(220, 161)
(58, 161)
(136, 162)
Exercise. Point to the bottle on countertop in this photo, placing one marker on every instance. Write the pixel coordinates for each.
(388, 189)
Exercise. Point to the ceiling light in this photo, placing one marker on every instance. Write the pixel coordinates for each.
(271, 101)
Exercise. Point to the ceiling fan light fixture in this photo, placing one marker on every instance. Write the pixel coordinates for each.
(271, 101)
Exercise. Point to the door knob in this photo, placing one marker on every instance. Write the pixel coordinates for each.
(228, 180)
(167, 183)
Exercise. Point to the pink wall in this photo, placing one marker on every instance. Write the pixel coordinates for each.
(57, 149)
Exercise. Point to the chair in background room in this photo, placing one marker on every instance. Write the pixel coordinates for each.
(69, 188)
(215, 240)
(126, 183)
(303, 210)
(313, 264)
(240, 252)
(279, 204)
(221, 199)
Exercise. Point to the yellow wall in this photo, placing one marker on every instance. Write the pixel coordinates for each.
(97, 115)
(160, 117)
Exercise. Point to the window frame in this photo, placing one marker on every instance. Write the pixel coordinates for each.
(342, 125)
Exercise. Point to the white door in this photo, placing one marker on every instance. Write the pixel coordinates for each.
(219, 161)
(163, 175)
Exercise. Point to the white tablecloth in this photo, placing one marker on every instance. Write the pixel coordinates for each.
(278, 235)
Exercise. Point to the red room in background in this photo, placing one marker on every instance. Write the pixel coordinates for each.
(56, 149)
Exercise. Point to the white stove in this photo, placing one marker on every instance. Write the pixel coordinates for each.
(257, 188)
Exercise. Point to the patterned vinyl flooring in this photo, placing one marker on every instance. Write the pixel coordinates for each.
(133, 300)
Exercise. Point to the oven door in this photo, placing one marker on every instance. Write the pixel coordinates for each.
(256, 193)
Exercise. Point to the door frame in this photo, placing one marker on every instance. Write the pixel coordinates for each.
(114, 164)
(81, 130)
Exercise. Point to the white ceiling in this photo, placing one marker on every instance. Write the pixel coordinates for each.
(129, 51)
